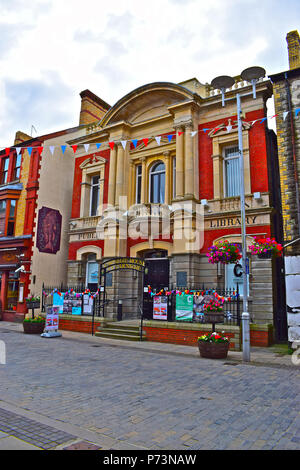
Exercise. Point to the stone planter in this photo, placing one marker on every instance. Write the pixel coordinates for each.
(212, 350)
(33, 327)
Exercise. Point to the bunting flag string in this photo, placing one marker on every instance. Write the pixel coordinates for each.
(71, 291)
(135, 142)
(184, 292)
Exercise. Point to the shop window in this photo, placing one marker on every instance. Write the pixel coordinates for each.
(17, 167)
(4, 172)
(7, 217)
(138, 188)
(157, 183)
(95, 190)
(232, 173)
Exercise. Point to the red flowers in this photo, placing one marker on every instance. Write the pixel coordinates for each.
(264, 245)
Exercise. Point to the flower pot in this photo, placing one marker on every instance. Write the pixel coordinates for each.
(33, 327)
(265, 254)
(212, 350)
(214, 317)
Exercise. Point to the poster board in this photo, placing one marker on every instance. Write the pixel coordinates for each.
(184, 307)
(160, 307)
(88, 303)
(52, 318)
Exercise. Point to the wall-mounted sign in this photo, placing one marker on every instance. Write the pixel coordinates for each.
(49, 230)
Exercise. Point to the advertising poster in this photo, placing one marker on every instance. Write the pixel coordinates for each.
(72, 305)
(58, 301)
(184, 307)
(52, 318)
(160, 307)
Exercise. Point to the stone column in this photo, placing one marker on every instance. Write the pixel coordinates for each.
(144, 182)
(132, 184)
(179, 163)
(167, 177)
(112, 176)
(119, 173)
(189, 162)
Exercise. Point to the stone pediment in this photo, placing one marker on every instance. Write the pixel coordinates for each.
(147, 102)
(91, 161)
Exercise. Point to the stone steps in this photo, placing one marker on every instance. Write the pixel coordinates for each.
(119, 332)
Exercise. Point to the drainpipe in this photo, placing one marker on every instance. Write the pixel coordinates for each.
(287, 85)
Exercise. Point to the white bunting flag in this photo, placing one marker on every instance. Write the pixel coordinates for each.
(51, 148)
(285, 115)
(86, 147)
(124, 142)
(158, 140)
(229, 128)
(193, 133)
(18, 149)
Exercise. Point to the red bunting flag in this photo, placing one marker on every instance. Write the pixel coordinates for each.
(7, 150)
(74, 147)
(146, 142)
(180, 132)
(40, 149)
(111, 144)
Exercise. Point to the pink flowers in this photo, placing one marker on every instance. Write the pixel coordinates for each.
(224, 252)
(266, 245)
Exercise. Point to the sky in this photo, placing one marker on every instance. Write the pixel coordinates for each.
(51, 50)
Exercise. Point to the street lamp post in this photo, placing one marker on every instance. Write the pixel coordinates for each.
(251, 75)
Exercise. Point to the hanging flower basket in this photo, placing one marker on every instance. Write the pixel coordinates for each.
(266, 248)
(33, 302)
(224, 252)
(213, 346)
(213, 312)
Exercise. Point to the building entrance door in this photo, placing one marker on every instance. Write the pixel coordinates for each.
(156, 276)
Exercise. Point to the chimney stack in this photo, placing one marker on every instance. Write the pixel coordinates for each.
(93, 108)
(293, 41)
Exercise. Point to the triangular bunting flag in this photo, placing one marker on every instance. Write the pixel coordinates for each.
(180, 132)
(51, 148)
(193, 133)
(170, 137)
(98, 146)
(124, 142)
(285, 115)
(262, 120)
(297, 111)
(146, 142)
(86, 147)
(29, 150)
(229, 128)
(63, 148)
(7, 150)
(19, 150)
(111, 145)
(74, 147)
(158, 140)
(40, 149)
(205, 130)
(134, 141)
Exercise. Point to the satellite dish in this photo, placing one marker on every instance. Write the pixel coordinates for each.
(221, 83)
(252, 75)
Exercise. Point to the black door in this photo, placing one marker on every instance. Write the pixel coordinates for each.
(157, 277)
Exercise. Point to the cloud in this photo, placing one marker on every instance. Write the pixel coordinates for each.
(46, 104)
(10, 37)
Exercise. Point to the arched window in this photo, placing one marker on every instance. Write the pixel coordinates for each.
(157, 183)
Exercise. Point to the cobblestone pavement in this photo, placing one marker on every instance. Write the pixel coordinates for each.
(123, 396)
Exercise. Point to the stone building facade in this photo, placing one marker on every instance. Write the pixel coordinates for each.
(157, 178)
(286, 86)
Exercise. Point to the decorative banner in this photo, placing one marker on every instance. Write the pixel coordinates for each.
(48, 230)
(169, 137)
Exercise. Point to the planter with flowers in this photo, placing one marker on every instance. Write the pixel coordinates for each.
(33, 302)
(266, 248)
(213, 312)
(224, 252)
(33, 325)
(213, 345)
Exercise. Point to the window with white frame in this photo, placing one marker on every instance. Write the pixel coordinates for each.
(157, 183)
(94, 197)
(231, 172)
